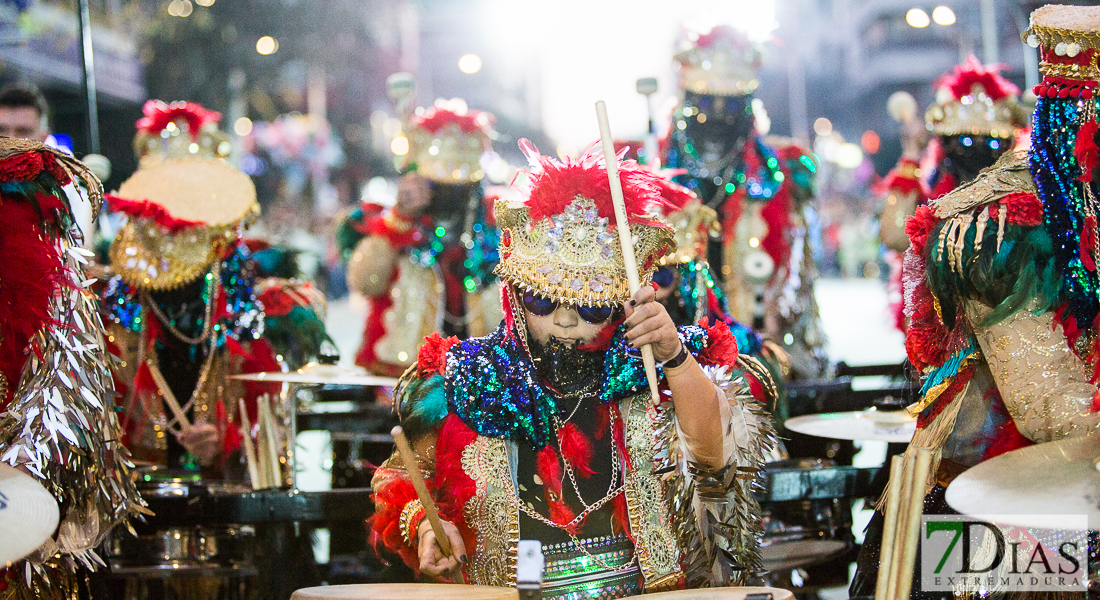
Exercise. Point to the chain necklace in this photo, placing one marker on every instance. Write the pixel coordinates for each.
(208, 310)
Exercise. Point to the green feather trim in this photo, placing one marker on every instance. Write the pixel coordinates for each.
(1021, 274)
(347, 236)
(425, 405)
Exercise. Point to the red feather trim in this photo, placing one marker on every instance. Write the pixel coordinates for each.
(147, 209)
(561, 514)
(1087, 246)
(721, 347)
(1086, 151)
(777, 214)
(675, 195)
(603, 420)
(435, 118)
(455, 486)
(158, 115)
(391, 494)
(31, 273)
(549, 469)
(723, 33)
(553, 185)
(431, 358)
(375, 327)
(927, 337)
(576, 448)
(919, 226)
(901, 179)
(603, 337)
(962, 79)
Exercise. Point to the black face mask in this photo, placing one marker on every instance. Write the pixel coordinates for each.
(449, 203)
(964, 156)
(728, 125)
(567, 368)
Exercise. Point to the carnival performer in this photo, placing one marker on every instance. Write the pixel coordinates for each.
(763, 195)
(691, 294)
(1001, 285)
(58, 422)
(975, 120)
(426, 263)
(545, 429)
(183, 298)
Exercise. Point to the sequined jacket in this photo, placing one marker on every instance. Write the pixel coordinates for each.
(691, 525)
(1004, 364)
(409, 296)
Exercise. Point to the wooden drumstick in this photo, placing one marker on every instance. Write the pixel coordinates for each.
(249, 450)
(915, 504)
(169, 397)
(625, 239)
(889, 529)
(412, 467)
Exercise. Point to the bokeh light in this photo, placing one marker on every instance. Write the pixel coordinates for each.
(267, 45)
(823, 126)
(242, 126)
(469, 64)
(917, 18)
(943, 15)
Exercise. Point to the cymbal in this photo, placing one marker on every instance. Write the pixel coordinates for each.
(322, 374)
(28, 514)
(1033, 486)
(869, 425)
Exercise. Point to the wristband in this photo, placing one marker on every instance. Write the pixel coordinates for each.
(411, 516)
(677, 360)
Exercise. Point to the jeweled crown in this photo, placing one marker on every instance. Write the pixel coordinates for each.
(447, 141)
(562, 241)
(179, 130)
(976, 100)
(722, 62)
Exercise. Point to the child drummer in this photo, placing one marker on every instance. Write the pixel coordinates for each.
(545, 429)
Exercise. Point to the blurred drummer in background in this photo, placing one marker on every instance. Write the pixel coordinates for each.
(545, 429)
(426, 263)
(56, 395)
(182, 301)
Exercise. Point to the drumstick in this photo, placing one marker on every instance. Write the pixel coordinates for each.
(412, 467)
(623, 226)
(889, 529)
(169, 397)
(267, 423)
(249, 450)
(900, 532)
(922, 465)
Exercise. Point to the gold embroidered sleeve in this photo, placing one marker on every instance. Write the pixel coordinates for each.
(1044, 385)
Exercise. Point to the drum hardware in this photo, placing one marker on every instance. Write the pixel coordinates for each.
(867, 425)
(436, 591)
(28, 514)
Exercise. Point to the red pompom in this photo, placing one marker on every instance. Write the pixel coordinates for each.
(1086, 151)
(576, 448)
(432, 356)
(721, 347)
(549, 470)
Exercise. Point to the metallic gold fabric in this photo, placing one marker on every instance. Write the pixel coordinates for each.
(493, 513)
(1043, 383)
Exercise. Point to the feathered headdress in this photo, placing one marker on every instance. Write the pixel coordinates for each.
(973, 98)
(723, 62)
(693, 222)
(185, 203)
(561, 241)
(447, 140)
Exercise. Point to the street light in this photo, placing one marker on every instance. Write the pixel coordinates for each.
(917, 18)
(943, 15)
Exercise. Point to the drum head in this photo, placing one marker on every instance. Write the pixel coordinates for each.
(407, 591)
(800, 553)
(723, 593)
(28, 514)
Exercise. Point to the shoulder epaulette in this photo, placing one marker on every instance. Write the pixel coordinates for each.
(1009, 175)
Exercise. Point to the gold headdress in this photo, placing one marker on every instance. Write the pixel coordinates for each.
(185, 203)
(447, 141)
(975, 100)
(1070, 53)
(561, 241)
(693, 222)
(722, 62)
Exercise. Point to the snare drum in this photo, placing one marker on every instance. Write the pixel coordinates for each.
(407, 591)
(804, 533)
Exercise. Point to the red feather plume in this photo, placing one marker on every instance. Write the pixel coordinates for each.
(435, 118)
(962, 79)
(552, 185)
(31, 272)
(576, 448)
(159, 114)
(549, 469)
(1086, 151)
(674, 194)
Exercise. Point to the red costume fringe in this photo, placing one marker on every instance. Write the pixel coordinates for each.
(145, 209)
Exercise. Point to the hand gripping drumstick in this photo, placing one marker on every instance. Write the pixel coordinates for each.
(412, 467)
(623, 226)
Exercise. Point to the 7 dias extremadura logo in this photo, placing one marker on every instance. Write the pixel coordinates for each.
(985, 554)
